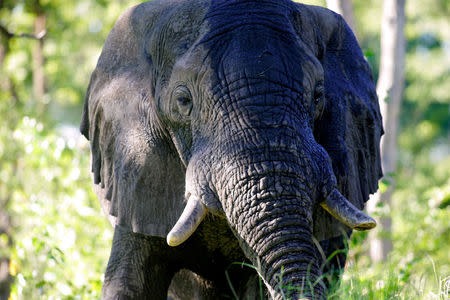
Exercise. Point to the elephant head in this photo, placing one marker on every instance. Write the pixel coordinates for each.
(260, 112)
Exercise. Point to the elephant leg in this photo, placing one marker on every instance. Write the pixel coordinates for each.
(138, 267)
(187, 285)
(335, 250)
(255, 289)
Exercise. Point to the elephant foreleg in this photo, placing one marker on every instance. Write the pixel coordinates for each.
(137, 268)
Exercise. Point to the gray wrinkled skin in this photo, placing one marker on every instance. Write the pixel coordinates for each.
(257, 108)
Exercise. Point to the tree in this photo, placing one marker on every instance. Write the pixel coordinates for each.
(10, 162)
(38, 56)
(390, 88)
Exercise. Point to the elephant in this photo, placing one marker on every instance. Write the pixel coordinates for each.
(232, 143)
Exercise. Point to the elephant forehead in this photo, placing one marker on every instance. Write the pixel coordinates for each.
(251, 65)
(225, 15)
(263, 19)
(245, 40)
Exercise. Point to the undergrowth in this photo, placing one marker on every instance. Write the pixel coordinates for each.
(389, 280)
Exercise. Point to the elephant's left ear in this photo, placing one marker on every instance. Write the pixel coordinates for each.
(350, 126)
(137, 174)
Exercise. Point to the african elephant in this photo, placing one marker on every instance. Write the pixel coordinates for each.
(230, 131)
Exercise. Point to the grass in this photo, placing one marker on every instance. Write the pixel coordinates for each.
(389, 280)
(389, 283)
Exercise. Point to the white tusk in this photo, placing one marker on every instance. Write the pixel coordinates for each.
(193, 214)
(346, 212)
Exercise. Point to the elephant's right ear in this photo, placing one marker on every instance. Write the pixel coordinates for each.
(139, 176)
(350, 126)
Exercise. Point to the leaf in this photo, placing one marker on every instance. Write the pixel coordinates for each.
(445, 202)
(369, 53)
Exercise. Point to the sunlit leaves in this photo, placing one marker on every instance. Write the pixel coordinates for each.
(61, 240)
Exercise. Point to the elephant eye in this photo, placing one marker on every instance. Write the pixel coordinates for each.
(318, 93)
(183, 98)
(318, 101)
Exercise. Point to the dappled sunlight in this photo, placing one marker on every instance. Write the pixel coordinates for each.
(56, 216)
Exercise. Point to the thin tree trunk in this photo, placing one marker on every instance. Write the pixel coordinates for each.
(38, 60)
(345, 9)
(390, 93)
(6, 278)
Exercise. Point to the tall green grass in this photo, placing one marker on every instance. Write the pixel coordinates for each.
(388, 280)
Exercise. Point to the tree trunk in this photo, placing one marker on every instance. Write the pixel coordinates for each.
(6, 277)
(390, 93)
(38, 61)
(5, 223)
(345, 9)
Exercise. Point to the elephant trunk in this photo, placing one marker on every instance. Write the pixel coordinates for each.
(270, 211)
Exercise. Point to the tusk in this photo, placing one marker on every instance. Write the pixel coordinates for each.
(192, 216)
(346, 212)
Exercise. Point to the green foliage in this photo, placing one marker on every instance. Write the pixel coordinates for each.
(76, 31)
(61, 243)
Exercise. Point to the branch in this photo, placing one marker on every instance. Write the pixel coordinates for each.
(10, 35)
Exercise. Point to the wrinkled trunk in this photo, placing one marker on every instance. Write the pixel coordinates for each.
(267, 199)
(275, 233)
